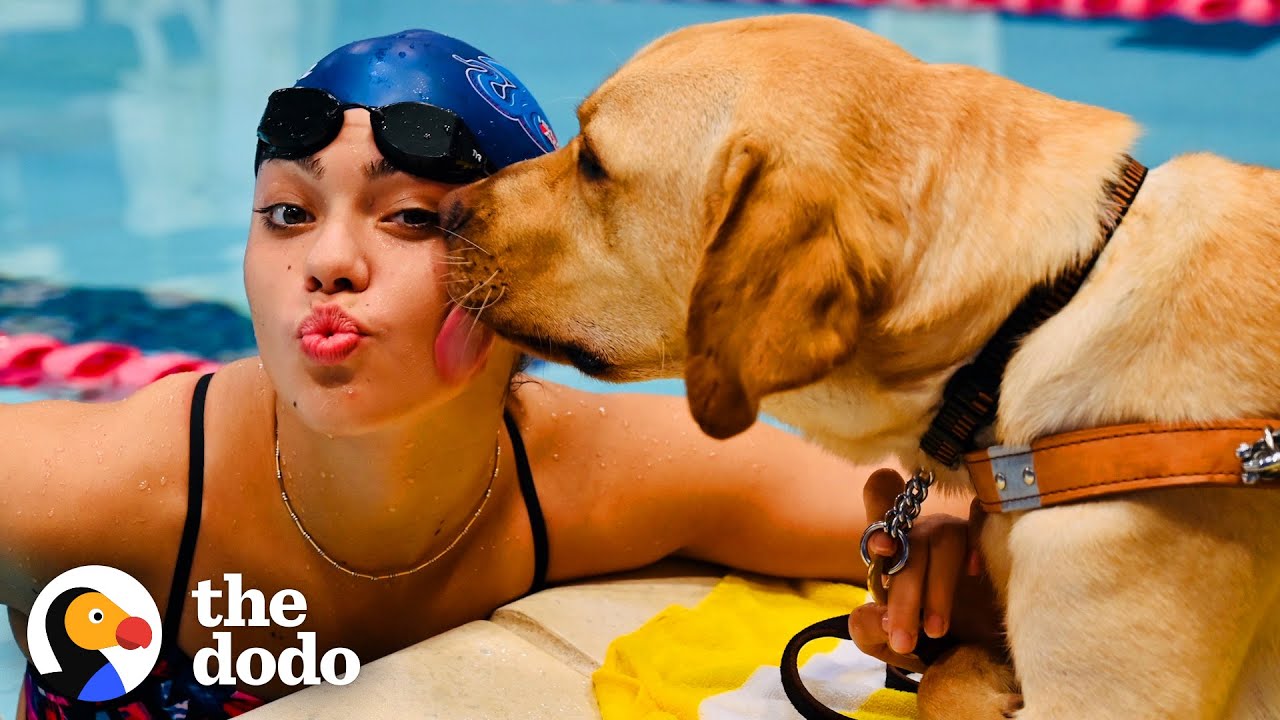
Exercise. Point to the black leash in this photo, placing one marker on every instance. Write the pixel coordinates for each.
(969, 404)
(927, 649)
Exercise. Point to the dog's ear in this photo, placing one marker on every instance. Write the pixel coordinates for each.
(775, 305)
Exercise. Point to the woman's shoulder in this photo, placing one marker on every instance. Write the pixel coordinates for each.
(570, 422)
(610, 474)
(76, 443)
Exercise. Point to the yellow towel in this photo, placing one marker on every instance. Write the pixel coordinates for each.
(719, 660)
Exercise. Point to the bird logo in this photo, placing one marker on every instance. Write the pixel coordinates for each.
(94, 633)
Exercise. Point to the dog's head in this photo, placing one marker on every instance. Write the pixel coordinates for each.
(750, 202)
(705, 219)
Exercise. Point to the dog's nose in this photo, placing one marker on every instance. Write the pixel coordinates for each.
(454, 214)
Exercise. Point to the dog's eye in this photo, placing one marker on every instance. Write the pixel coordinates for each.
(589, 165)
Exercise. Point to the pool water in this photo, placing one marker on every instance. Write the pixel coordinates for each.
(127, 129)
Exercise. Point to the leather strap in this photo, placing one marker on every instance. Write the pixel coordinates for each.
(1097, 463)
(928, 650)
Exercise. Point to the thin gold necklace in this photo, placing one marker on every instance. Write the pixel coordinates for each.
(497, 455)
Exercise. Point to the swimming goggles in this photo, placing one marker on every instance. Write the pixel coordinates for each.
(421, 139)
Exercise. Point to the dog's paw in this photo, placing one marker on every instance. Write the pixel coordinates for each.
(969, 683)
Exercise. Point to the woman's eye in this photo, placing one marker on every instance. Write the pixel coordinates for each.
(418, 218)
(284, 215)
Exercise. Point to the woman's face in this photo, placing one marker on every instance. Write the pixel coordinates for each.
(345, 277)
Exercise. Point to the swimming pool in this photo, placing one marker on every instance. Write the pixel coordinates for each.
(127, 129)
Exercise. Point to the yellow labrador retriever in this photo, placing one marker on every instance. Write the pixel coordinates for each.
(799, 216)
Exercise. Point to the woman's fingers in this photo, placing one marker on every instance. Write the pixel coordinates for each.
(947, 557)
(977, 516)
(867, 630)
(878, 494)
(905, 590)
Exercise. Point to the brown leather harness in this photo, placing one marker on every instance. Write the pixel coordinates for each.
(1101, 462)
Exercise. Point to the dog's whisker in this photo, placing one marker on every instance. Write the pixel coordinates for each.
(475, 318)
(486, 304)
(469, 293)
(501, 291)
(478, 286)
(466, 240)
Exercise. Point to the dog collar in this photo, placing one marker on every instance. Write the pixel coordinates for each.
(970, 398)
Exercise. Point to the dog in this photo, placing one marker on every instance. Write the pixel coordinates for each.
(801, 218)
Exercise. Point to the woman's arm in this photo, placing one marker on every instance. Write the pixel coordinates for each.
(80, 484)
(647, 483)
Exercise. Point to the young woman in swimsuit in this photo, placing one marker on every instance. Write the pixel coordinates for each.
(383, 456)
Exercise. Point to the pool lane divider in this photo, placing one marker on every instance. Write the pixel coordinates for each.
(92, 370)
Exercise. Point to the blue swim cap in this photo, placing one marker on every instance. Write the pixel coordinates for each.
(425, 66)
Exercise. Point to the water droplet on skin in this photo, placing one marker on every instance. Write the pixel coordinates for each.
(602, 411)
(163, 480)
(711, 454)
(51, 513)
(568, 413)
(555, 456)
(602, 464)
(555, 415)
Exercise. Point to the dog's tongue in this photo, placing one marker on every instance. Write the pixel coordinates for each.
(462, 345)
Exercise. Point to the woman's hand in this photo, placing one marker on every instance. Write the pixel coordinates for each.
(941, 590)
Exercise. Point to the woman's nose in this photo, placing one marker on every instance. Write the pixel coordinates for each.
(336, 263)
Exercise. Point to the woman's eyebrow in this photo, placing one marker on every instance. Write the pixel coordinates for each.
(312, 165)
(380, 169)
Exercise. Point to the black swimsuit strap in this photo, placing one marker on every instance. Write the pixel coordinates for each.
(537, 523)
(190, 530)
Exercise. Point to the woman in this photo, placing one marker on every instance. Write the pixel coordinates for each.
(377, 457)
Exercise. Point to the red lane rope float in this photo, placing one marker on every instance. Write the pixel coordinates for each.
(1253, 12)
(89, 370)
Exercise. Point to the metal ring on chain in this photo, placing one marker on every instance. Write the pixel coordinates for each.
(898, 520)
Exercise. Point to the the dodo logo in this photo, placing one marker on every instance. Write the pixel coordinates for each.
(94, 633)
